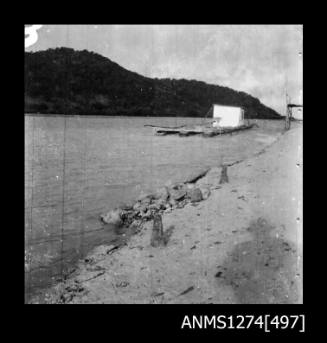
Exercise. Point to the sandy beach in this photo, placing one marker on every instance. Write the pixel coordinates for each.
(242, 245)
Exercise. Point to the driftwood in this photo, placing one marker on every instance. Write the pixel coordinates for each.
(187, 290)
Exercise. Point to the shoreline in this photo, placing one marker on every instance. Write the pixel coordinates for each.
(39, 279)
(67, 291)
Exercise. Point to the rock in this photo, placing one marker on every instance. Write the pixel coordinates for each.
(169, 184)
(177, 194)
(112, 217)
(126, 206)
(154, 207)
(177, 185)
(162, 204)
(122, 284)
(140, 207)
(146, 198)
(190, 186)
(146, 214)
(205, 192)
(172, 203)
(162, 193)
(195, 195)
(181, 204)
(137, 206)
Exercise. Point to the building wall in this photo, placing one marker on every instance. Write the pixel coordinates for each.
(297, 113)
(228, 116)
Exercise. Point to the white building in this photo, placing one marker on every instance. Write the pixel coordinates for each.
(227, 116)
(297, 113)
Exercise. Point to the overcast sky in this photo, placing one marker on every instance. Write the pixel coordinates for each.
(258, 59)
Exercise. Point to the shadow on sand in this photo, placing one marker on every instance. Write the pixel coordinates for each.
(263, 270)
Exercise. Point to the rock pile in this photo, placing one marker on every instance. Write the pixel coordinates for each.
(163, 200)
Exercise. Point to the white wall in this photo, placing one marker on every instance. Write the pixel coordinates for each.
(229, 116)
(297, 113)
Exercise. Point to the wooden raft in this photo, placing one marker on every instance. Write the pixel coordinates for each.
(204, 131)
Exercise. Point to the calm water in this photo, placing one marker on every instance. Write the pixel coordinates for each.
(78, 167)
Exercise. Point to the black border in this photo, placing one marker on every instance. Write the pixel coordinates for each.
(162, 319)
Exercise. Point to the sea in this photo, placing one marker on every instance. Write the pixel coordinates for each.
(78, 167)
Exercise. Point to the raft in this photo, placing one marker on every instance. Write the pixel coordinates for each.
(205, 131)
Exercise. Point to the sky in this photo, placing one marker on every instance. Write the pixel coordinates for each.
(262, 60)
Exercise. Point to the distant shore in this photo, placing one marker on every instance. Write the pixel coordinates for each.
(254, 220)
(36, 114)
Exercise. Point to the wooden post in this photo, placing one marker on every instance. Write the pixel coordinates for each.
(157, 237)
(288, 119)
(288, 114)
(223, 176)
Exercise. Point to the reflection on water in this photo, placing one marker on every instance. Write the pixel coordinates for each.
(77, 167)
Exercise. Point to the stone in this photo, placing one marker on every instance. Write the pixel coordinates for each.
(172, 203)
(177, 194)
(161, 204)
(147, 200)
(146, 214)
(126, 206)
(140, 207)
(112, 217)
(145, 197)
(190, 186)
(137, 206)
(181, 204)
(205, 192)
(162, 193)
(154, 207)
(169, 184)
(195, 195)
(178, 185)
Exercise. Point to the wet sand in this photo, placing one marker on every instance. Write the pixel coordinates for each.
(241, 245)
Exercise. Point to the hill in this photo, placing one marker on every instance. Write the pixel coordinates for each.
(65, 81)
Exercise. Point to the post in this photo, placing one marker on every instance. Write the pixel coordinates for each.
(157, 237)
(288, 113)
(288, 118)
(223, 176)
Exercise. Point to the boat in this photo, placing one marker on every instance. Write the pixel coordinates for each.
(227, 119)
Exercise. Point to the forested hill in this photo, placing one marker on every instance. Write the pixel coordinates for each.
(65, 81)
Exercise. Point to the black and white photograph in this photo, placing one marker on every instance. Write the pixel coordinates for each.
(163, 164)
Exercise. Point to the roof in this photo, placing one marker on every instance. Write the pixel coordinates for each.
(227, 105)
(294, 105)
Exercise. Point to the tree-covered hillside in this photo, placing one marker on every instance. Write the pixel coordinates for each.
(65, 81)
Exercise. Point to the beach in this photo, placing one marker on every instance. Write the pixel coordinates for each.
(243, 244)
(77, 168)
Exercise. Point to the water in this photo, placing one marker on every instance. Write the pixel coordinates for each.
(78, 167)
